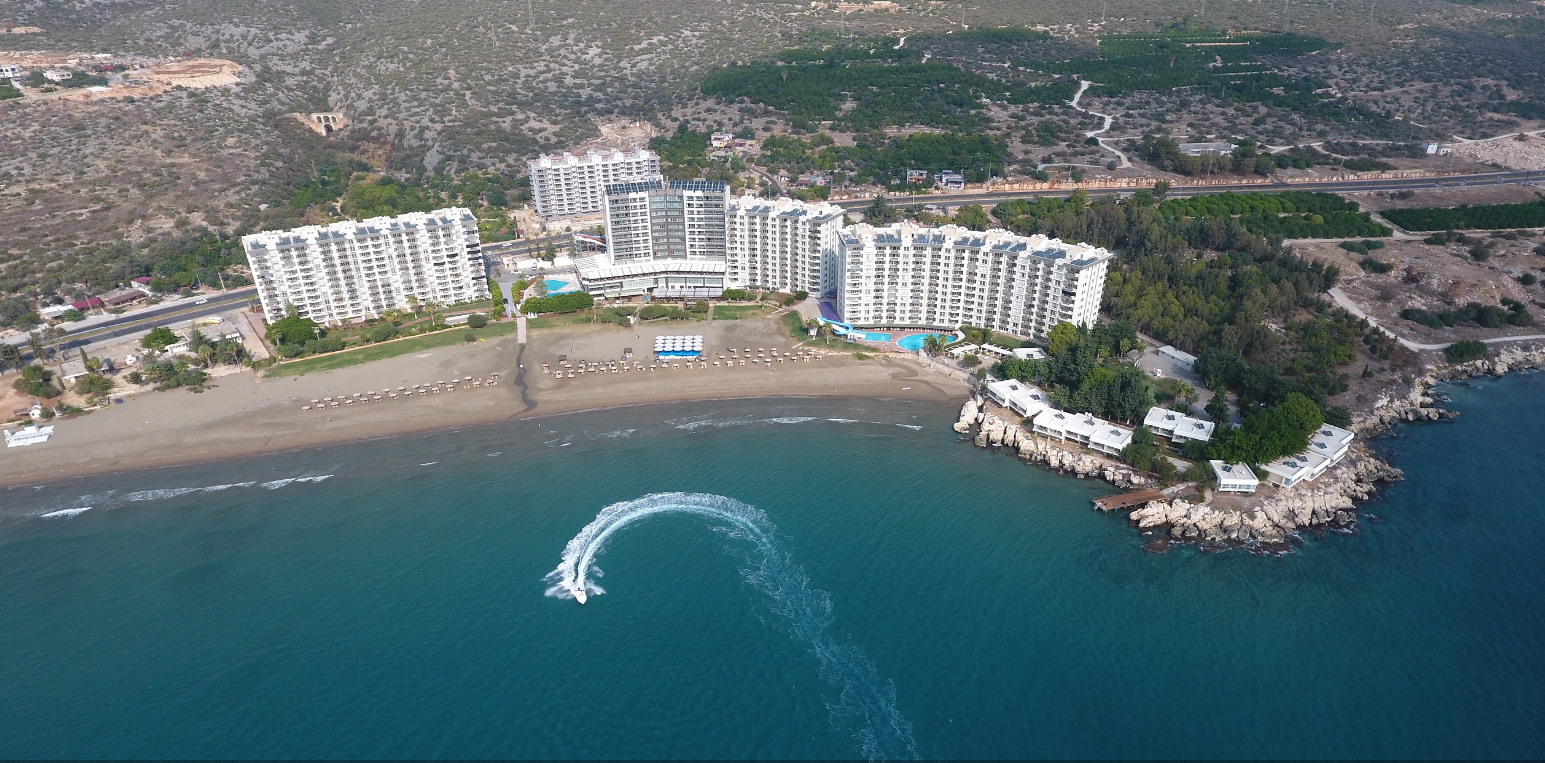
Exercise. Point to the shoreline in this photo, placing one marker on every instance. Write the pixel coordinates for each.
(245, 414)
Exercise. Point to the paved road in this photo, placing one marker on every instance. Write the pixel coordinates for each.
(1347, 304)
(1180, 191)
(132, 323)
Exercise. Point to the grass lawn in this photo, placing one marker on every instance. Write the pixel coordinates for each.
(560, 319)
(345, 358)
(737, 312)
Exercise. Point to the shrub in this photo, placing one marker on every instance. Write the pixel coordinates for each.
(1480, 253)
(477, 320)
(563, 303)
(292, 330)
(1355, 247)
(651, 312)
(72, 315)
(469, 337)
(1528, 279)
(1464, 351)
(737, 295)
(379, 333)
(1374, 266)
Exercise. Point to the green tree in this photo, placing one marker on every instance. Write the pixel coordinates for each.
(1217, 407)
(93, 385)
(292, 330)
(1061, 337)
(35, 381)
(10, 356)
(477, 320)
(71, 315)
(881, 212)
(973, 217)
(159, 339)
(1464, 351)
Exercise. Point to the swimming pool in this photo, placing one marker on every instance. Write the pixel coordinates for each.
(871, 336)
(915, 342)
(554, 285)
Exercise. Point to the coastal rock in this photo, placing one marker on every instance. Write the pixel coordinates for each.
(970, 413)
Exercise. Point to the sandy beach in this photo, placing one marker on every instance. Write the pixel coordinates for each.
(245, 414)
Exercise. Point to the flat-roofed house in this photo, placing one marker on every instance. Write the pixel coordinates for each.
(1234, 478)
(1052, 423)
(1291, 470)
(1192, 429)
(1332, 442)
(1110, 439)
(1162, 421)
(1018, 397)
(1082, 427)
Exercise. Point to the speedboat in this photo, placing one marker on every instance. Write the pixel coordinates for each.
(579, 594)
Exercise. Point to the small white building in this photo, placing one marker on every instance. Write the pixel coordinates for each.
(1002, 352)
(1110, 439)
(1052, 423)
(31, 434)
(1029, 353)
(1178, 427)
(1332, 442)
(10, 71)
(1234, 478)
(1291, 470)
(1182, 359)
(56, 75)
(1018, 397)
(1081, 428)
(962, 350)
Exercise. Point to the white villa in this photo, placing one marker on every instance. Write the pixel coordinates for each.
(1180, 358)
(1234, 478)
(1083, 429)
(1178, 427)
(962, 350)
(1327, 446)
(1018, 397)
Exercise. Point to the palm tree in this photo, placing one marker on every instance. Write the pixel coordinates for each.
(933, 344)
(413, 303)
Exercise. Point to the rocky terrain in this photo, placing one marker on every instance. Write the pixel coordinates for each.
(996, 432)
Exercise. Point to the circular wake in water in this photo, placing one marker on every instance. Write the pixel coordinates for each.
(865, 705)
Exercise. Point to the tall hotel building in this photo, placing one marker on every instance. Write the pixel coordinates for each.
(666, 220)
(783, 244)
(351, 271)
(907, 275)
(565, 185)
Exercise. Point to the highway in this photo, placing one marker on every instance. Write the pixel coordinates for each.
(1332, 186)
(144, 320)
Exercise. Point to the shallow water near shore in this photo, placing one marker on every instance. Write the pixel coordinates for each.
(387, 599)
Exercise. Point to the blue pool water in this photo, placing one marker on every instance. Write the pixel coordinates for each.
(554, 286)
(914, 342)
(872, 336)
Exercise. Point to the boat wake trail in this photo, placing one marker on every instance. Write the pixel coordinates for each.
(865, 705)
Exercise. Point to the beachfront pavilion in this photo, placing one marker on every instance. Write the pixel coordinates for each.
(1234, 478)
(1178, 427)
(1291, 470)
(1332, 442)
(1018, 397)
(1110, 439)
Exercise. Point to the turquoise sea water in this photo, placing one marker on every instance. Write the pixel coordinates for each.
(847, 578)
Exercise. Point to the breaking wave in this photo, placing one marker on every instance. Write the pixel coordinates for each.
(865, 705)
(113, 499)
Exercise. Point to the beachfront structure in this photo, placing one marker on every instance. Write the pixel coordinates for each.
(667, 279)
(908, 275)
(1182, 359)
(565, 185)
(1082, 428)
(783, 244)
(1178, 427)
(1327, 446)
(1291, 470)
(1029, 353)
(962, 350)
(1234, 478)
(31, 434)
(653, 220)
(350, 271)
(1018, 397)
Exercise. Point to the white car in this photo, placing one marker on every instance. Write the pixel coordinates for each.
(201, 300)
(1158, 374)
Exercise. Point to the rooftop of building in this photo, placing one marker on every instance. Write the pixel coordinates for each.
(997, 239)
(593, 156)
(345, 229)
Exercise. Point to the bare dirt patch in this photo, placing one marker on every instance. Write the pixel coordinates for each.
(1448, 197)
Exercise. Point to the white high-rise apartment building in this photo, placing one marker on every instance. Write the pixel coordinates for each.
(783, 244)
(350, 271)
(565, 185)
(908, 275)
(654, 220)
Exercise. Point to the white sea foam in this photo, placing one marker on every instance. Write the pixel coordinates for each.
(866, 703)
(912, 427)
(65, 512)
(164, 493)
(276, 484)
(615, 434)
(789, 419)
(714, 423)
(844, 421)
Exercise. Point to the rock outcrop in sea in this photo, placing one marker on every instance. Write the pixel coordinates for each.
(1420, 405)
(997, 432)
